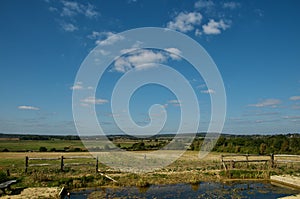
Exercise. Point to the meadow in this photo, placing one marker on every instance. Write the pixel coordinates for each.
(187, 169)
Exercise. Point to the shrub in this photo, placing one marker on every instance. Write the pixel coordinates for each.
(3, 176)
(43, 149)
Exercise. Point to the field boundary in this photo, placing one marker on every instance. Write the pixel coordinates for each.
(228, 161)
(62, 159)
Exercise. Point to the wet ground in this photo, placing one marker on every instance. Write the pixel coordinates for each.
(249, 189)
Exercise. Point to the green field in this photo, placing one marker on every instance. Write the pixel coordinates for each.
(34, 145)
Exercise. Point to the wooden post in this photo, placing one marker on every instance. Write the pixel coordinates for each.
(223, 163)
(97, 164)
(62, 163)
(26, 164)
(272, 160)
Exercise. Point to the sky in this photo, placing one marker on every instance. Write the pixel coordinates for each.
(254, 44)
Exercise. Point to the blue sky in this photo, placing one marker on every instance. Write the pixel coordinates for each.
(255, 45)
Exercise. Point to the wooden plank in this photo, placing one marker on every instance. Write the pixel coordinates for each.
(43, 158)
(246, 160)
(108, 177)
(79, 157)
(233, 155)
(40, 165)
(287, 155)
(295, 161)
(79, 164)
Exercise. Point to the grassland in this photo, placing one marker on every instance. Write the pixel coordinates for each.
(34, 145)
(187, 169)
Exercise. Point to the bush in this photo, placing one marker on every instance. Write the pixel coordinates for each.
(3, 176)
(43, 149)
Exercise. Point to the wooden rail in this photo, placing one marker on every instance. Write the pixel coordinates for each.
(286, 158)
(62, 162)
(268, 158)
(271, 159)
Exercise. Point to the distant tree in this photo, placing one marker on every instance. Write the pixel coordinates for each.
(284, 146)
(262, 148)
(43, 149)
(53, 149)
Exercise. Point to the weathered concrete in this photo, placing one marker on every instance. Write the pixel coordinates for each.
(291, 197)
(292, 181)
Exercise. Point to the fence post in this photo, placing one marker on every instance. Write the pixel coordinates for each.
(62, 163)
(247, 160)
(26, 164)
(272, 160)
(97, 161)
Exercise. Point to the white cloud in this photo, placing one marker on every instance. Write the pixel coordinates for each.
(28, 108)
(93, 100)
(267, 103)
(214, 27)
(68, 27)
(294, 98)
(231, 5)
(79, 86)
(174, 53)
(95, 35)
(204, 4)
(198, 32)
(90, 11)
(135, 46)
(53, 9)
(72, 8)
(185, 22)
(110, 38)
(137, 59)
(208, 91)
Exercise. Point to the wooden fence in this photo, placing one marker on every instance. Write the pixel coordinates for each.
(229, 160)
(62, 159)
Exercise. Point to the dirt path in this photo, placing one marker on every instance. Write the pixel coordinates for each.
(36, 193)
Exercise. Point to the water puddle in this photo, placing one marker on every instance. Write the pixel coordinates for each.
(249, 189)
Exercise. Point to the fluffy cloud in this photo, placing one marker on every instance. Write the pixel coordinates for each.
(214, 27)
(69, 27)
(174, 53)
(69, 10)
(137, 59)
(105, 38)
(72, 8)
(185, 22)
(294, 98)
(28, 108)
(267, 103)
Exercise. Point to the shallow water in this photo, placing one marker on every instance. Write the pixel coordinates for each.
(249, 189)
